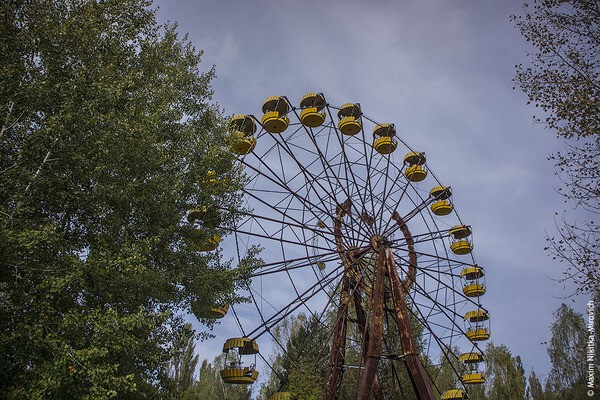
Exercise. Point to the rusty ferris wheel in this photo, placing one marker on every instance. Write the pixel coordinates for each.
(347, 225)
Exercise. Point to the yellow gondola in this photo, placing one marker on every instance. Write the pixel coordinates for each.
(415, 170)
(383, 138)
(442, 205)
(312, 114)
(206, 220)
(235, 373)
(349, 119)
(473, 287)
(460, 244)
(242, 128)
(275, 119)
(453, 394)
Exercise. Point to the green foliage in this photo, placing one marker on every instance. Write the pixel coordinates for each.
(183, 361)
(107, 138)
(564, 76)
(567, 351)
(505, 374)
(534, 388)
(563, 79)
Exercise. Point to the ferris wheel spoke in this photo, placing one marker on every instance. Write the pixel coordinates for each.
(330, 175)
(302, 226)
(311, 207)
(348, 165)
(295, 304)
(300, 262)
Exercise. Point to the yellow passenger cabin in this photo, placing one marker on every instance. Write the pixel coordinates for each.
(275, 110)
(312, 114)
(242, 129)
(350, 119)
(460, 243)
(384, 140)
(415, 170)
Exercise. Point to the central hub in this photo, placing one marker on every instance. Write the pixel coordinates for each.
(377, 241)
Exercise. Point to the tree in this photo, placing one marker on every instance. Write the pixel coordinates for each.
(505, 374)
(107, 137)
(567, 350)
(534, 388)
(563, 79)
(183, 361)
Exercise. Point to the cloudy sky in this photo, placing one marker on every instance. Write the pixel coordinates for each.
(441, 71)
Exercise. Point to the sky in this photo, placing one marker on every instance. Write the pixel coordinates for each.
(442, 72)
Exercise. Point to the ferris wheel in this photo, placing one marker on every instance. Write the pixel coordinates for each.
(356, 231)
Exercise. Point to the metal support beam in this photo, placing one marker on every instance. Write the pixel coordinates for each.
(416, 370)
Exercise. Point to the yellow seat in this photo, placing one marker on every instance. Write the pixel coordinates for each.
(311, 117)
(349, 125)
(461, 247)
(478, 334)
(219, 312)
(274, 122)
(241, 144)
(474, 290)
(349, 115)
(442, 207)
(472, 378)
(321, 265)
(239, 376)
(415, 173)
(453, 394)
(385, 145)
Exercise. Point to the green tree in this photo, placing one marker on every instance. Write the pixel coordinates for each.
(535, 390)
(107, 137)
(563, 79)
(505, 374)
(183, 361)
(567, 350)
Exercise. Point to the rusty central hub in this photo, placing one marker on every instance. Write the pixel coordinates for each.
(377, 241)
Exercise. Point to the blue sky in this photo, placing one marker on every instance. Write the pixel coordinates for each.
(441, 71)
